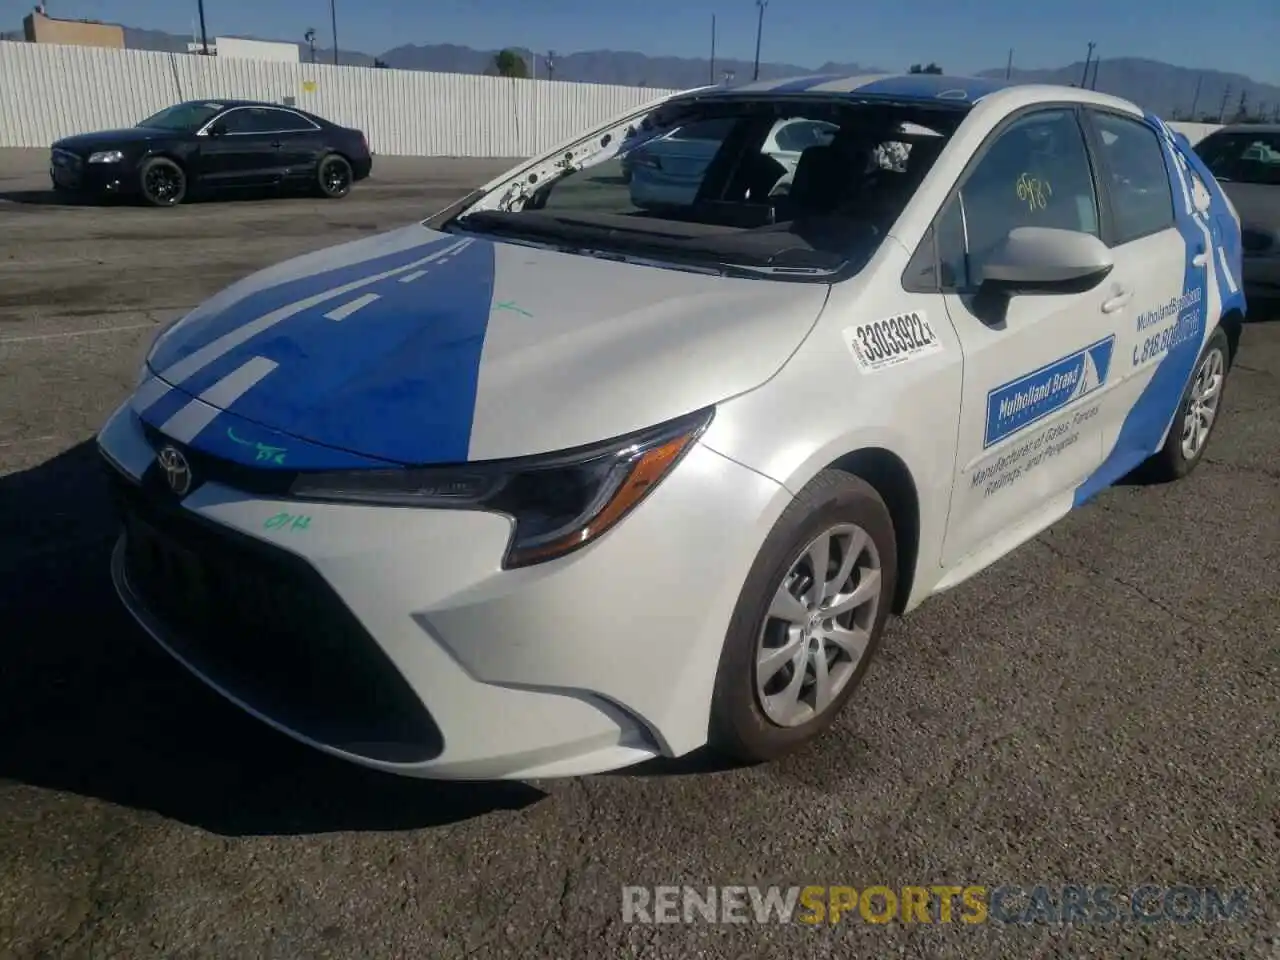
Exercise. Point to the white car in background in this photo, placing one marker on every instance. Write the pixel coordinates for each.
(542, 487)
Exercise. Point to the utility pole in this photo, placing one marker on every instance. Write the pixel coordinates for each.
(333, 17)
(711, 75)
(1093, 84)
(310, 37)
(1084, 77)
(1008, 67)
(1195, 97)
(760, 5)
(204, 34)
(1222, 110)
(551, 64)
(1242, 112)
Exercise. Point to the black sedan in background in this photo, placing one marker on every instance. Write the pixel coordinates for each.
(1245, 159)
(204, 147)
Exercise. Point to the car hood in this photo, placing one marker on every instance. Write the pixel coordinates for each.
(110, 138)
(418, 347)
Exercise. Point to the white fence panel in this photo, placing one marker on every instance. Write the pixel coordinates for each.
(48, 92)
(51, 92)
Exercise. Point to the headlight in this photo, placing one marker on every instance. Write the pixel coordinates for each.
(106, 156)
(559, 502)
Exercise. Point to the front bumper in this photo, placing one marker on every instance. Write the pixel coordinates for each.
(392, 638)
(73, 174)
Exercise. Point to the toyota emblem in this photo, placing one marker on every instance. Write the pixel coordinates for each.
(177, 472)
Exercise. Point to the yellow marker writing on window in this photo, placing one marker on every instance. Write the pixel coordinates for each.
(1034, 192)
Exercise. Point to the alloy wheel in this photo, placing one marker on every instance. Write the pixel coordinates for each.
(818, 626)
(163, 184)
(336, 179)
(1202, 406)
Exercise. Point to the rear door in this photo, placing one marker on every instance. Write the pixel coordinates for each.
(1037, 368)
(1161, 288)
(299, 144)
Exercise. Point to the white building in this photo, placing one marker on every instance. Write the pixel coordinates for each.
(248, 49)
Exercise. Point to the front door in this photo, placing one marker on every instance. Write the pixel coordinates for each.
(1038, 367)
(243, 152)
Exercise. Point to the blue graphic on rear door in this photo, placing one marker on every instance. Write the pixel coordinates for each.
(1211, 237)
(1016, 405)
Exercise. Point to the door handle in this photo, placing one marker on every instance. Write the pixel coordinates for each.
(1117, 302)
(278, 144)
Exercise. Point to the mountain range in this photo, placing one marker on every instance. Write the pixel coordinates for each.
(1177, 93)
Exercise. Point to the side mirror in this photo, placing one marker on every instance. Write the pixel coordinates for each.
(1047, 260)
(218, 130)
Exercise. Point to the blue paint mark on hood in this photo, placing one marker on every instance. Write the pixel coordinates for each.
(232, 308)
(385, 371)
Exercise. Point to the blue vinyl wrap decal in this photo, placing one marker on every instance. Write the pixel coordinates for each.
(801, 84)
(1014, 406)
(1214, 234)
(200, 332)
(386, 373)
(928, 86)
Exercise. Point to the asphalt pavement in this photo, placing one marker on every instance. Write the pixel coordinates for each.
(1099, 708)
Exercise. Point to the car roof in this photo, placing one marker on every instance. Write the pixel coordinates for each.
(1249, 128)
(919, 87)
(227, 104)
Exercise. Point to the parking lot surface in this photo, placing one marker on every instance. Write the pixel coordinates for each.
(1100, 708)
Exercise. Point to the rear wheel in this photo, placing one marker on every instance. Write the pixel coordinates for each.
(808, 620)
(334, 176)
(1197, 414)
(163, 182)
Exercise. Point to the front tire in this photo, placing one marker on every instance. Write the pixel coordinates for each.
(334, 177)
(808, 620)
(163, 183)
(1197, 414)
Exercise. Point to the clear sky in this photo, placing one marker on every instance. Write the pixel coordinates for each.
(962, 36)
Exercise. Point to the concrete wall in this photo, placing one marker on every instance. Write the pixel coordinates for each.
(39, 29)
(55, 91)
(51, 92)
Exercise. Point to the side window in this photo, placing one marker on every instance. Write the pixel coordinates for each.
(1132, 163)
(940, 263)
(285, 121)
(250, 120)
(953, 260)
(1035, 173)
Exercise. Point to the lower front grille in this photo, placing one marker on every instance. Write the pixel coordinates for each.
(265, 627)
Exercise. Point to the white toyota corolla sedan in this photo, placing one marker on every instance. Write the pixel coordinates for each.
(548, 485)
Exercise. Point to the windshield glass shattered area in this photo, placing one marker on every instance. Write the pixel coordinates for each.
(778, 186)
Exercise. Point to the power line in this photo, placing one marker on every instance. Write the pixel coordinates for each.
(1084, 74)
(333, 16)
(760, 5)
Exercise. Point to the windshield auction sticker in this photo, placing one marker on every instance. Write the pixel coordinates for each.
(892, 341)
